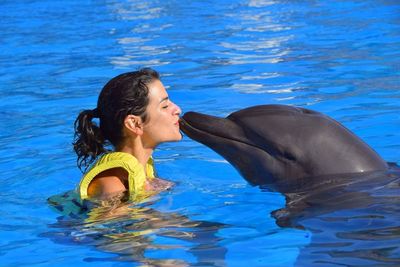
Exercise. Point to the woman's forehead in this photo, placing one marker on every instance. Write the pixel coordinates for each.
(157, 91)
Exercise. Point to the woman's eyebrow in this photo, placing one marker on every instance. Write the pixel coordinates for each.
(164, 99)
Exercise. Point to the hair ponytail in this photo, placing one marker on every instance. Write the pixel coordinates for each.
(88, 139)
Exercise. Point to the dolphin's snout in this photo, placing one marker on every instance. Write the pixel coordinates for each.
(197, 126)
(197, 121)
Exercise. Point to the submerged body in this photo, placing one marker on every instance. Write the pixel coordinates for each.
(283, 147)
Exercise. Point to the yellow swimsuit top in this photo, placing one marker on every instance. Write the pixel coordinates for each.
(136, 173)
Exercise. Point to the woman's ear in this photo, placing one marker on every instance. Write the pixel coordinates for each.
(134, 124)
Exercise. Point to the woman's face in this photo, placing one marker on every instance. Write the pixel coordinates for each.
(162, 123)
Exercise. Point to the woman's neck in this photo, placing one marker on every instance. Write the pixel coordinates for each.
(136, 149)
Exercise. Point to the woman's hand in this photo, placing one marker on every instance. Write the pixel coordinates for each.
(157, 185)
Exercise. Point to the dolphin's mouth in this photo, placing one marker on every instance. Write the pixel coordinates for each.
(210, 127)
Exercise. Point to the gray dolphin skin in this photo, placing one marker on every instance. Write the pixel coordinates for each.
(283, 147)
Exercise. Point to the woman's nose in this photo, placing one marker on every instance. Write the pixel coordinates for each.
(177, 110)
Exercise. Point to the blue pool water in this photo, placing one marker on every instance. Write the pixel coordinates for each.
(338, 57)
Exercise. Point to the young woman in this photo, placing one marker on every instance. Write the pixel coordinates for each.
(135, 114)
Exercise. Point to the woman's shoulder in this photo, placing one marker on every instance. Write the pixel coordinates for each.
(115, 168)
(108, 183)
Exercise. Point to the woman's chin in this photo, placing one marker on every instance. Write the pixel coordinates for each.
(177, 137)
(180, 137)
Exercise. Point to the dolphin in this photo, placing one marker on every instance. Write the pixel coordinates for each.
(335, 185)
(283, 147)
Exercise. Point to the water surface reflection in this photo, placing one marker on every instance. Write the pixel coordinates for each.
(137, 233)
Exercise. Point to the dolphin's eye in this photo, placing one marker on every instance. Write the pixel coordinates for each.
(289, 156)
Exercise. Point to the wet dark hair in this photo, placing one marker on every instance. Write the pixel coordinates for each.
(123, 95)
